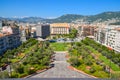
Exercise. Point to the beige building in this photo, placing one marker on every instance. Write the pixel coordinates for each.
(9, 38)
(59, 28)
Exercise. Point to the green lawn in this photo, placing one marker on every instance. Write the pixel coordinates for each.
(60, 46)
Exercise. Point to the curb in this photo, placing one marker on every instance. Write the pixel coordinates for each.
(72, 68)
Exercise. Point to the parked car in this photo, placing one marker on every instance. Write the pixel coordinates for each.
(4, 66)
(52, 40)
(51, 65)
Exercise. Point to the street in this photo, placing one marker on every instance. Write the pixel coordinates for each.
(60, 69)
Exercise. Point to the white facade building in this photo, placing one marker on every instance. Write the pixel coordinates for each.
(113, 39)
(109, 36)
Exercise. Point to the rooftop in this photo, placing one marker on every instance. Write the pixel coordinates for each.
(59, 25)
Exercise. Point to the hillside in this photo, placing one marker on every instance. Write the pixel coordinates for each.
(65, 18)
(105, 16)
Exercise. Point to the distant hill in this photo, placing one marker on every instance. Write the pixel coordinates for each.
(71, 17)
(116, 23)
(104, 16)
(65, 18)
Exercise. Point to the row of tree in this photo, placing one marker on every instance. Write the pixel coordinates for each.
(11, 54)
(80, 54)
(110, 54)
(39, 58)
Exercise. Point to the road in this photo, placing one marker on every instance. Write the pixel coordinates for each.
(60, 70)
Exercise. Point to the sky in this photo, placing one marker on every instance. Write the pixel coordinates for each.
(55, 8)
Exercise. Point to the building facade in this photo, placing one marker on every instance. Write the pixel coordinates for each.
(108, 36)
(113, 39)
(86, 30)
(9, 38)
(42, 30)
(33, 32)
(59, 28)
(25, 31)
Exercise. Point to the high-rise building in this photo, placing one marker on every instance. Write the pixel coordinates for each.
(42, 30)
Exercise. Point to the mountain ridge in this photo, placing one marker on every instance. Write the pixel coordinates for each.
(101, 17)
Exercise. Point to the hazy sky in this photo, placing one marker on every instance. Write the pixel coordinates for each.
(55, 8)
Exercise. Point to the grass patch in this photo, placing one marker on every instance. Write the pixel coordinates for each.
(60, 46)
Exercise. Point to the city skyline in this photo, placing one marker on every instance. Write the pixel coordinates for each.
(55, 8)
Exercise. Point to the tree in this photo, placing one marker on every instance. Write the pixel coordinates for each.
(73, 33)
(74, 61)
(4, 60)
(20, 69)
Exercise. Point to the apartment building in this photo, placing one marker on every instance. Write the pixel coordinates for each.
(9, 38)
(113, 39)
(86, 30)
(9, 23)
(33, 32)
(117, 47)
(59, 28)
(25, 31)
(3, 46)
(42, 30)
(108, 36)
(100, 35)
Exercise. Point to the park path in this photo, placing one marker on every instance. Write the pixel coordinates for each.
(60, 69)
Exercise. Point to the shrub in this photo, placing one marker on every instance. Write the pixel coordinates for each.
(31, 71)
(92, 70)
(14, 75)
(25, 63)
(4, 74)
(20, 69)
(88, 62)
(74, 61)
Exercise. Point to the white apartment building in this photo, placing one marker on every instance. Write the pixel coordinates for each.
(109, 36)
(113, 39)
